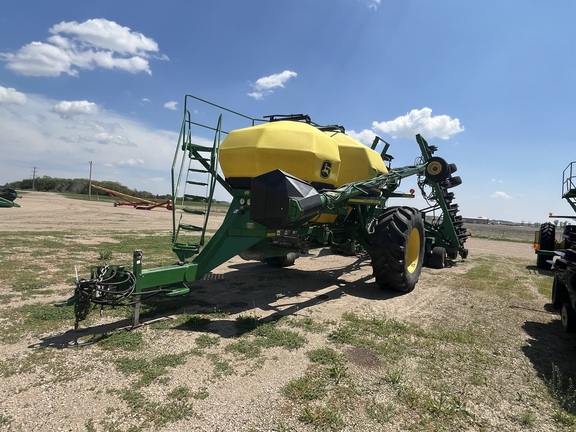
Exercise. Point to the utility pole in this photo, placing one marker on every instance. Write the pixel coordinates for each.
(34, 169)
(90, 182)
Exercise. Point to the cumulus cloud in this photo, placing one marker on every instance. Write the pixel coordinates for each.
(420, 122)
(131, 162)
(73, 46)
(108, 138)
(365, 136)
(501, 195)
(266, 85)
(120, 148)
(69, 109)
(171, 105)
(12, 96)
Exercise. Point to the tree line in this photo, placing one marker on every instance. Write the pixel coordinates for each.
(76, 186)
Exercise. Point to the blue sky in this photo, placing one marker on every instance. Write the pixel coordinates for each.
(491, 83)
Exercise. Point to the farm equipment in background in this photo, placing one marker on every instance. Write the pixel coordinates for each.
(546, 245)
(296, 186)
(7, 197)
(123, 199)
(564, 284)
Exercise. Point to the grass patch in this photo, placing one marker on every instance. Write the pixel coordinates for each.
(33, 319)
(305, 389)
(122, 340)
(307, 324)
(207, 341)
(154, 413)
(148, 370)
(257, 336)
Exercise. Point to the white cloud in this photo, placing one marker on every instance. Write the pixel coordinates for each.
(172, 105)
(95, 43)
(69, 109)
(501, 195)
(12, 96)
(120, 148)
(266, 85)
(365, 136)
(107, 138)
(420, 122)
(107, 35)
(132, 162)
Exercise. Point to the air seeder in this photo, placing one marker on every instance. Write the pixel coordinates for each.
(296, 186)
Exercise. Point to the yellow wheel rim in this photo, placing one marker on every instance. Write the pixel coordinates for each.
(413, 252)
(434, 168)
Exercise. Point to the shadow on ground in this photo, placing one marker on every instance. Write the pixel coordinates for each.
(244, 288)
(552, 353)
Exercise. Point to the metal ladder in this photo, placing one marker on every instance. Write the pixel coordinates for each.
(194, 177)
(569, 184)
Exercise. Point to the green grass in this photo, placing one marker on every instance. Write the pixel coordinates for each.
(122, 340)
(386, 373)
(147, 370)
(155, 414)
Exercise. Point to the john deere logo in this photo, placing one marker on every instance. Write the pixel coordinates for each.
(326, 169)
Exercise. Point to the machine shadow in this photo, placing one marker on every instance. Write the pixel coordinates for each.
(552, 353)
(247, 286)
(277, 292)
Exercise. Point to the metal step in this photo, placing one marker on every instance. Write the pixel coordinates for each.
(198, 148)
(178, 292)
(189, 227)
(192, 182)
(193, 211)
(195, 198)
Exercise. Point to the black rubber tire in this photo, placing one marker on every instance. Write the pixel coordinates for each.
(281, 261)
(570, 280)
(569, 235)
(398, 248)
(437, 169)
(570, 255)
(547, 242)
(559, 291)
(454, 181)
(568, 316)
(437, 258)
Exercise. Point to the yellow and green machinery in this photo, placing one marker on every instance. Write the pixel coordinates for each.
(296, 186)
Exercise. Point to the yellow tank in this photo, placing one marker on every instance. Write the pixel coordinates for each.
(294, 147)
(358, 162)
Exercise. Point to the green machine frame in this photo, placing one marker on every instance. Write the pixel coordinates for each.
(195, 167)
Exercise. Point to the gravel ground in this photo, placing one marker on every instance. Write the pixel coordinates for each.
(85, 395)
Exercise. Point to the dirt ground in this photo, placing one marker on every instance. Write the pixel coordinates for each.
(321, 286)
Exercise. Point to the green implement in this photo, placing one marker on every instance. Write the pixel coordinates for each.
(296, 186)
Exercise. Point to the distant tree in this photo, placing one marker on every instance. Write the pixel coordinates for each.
(75, 186)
